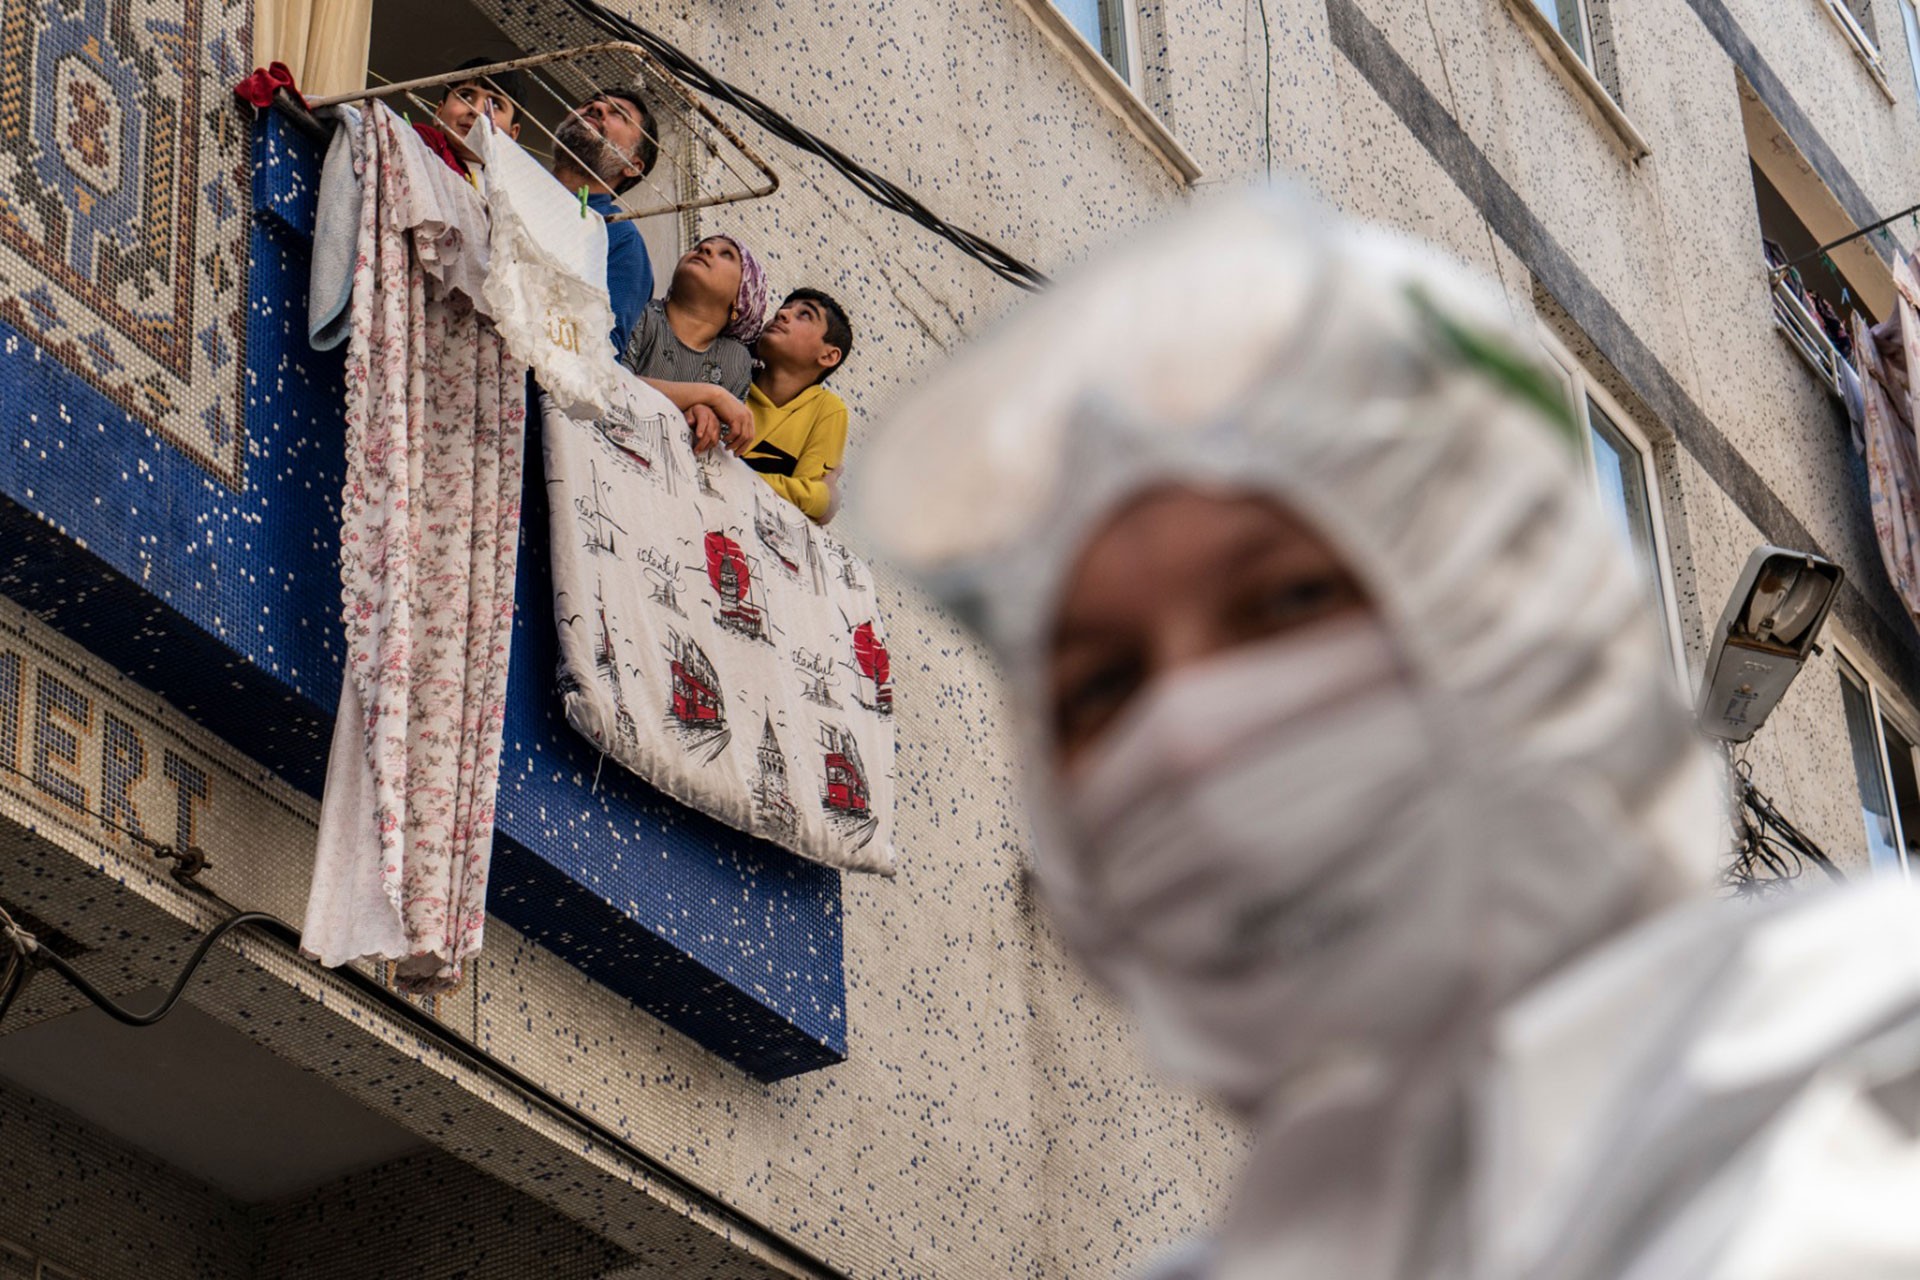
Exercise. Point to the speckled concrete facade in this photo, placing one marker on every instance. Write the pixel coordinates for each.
(992, 1116)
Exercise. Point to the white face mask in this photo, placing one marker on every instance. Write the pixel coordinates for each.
(1255, 850)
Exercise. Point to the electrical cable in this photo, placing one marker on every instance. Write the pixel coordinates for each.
(1770, 853)
(118, 1012)
(1266, 34)
(15, 980)
(876, 188)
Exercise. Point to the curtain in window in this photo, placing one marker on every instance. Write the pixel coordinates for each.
(323, 42)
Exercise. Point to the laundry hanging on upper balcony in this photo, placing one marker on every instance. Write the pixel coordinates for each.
(1889, 358)
(714, 640)
(436, 415)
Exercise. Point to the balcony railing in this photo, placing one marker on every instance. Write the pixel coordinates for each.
(1803, 330)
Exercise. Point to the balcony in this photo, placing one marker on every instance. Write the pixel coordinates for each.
(214, 584)
(1803, 330)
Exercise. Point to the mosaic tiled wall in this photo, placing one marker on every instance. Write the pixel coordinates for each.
(99, 1210)
(427, 1215)
(88, 1207)
(120, 212)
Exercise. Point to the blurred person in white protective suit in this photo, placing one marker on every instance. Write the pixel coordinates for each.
(1360, 775)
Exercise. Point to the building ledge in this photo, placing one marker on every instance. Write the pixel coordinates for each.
(1108, 85)
(1580, 76)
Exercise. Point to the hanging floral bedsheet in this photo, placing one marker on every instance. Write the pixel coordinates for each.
(430, 518)
(714, 640)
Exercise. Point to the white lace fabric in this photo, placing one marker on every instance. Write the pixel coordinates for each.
(547, 284)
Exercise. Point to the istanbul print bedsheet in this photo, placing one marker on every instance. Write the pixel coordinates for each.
(714, 640)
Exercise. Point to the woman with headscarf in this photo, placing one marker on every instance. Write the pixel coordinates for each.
(695, 346)
(1359, 774)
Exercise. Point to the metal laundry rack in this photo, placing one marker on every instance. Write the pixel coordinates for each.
(698, 121)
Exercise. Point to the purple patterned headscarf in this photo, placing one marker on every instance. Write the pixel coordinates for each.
(750, 304)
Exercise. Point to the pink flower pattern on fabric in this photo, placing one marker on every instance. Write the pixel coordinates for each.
(436, 415)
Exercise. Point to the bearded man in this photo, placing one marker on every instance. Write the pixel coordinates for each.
(607, 144)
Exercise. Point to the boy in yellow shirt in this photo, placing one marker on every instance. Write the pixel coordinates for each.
(800, 427)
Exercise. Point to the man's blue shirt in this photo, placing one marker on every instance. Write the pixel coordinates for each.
(629, 273)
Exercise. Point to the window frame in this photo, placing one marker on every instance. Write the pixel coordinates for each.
(1885, 709)
(1584, 18)
(1910, 27)
(1117, 93)
(1580, 73)
(1135, 76)
(1865, 47)
(1808, 338)
(1127, 28)
(1581, 388)
(1856, 30)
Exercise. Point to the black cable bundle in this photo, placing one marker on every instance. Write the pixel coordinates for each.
(868, 183)
(25, 951)
(1770, 853)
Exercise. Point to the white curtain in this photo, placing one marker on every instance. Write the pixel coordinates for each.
(323, 42)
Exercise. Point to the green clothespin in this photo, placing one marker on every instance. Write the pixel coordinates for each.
(1827, 262)
(583, 202)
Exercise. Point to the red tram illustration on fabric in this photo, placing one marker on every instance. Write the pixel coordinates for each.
(695, 707)
(730, 570)
(696, 689)
(846, 789)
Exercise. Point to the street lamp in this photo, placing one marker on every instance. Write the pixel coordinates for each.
(1764, 638)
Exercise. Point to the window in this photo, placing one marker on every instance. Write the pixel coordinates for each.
(1855, 20)
(1884, 766)
(1110, 26)
(1576, 37)
(1814, 294)
(1620, 461)
(1858, 15)
(1570, 19)
(1909, 21)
